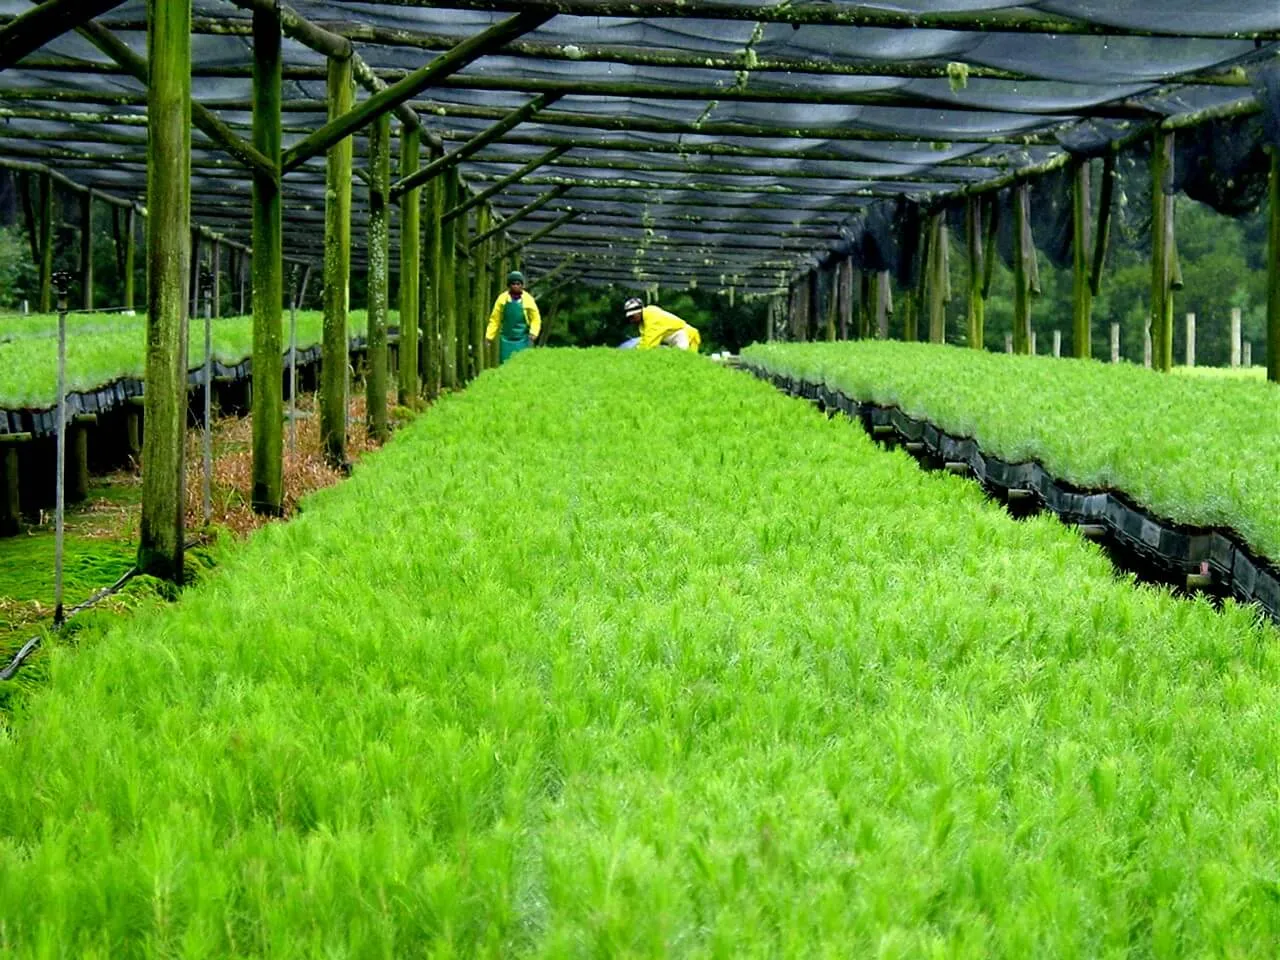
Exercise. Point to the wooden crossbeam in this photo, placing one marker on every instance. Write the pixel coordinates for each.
(401, 92)
(546, 231)
(520, 214)
(28, 32)
(498, 186)
(201, 116)
(814, 13)
(481, 140)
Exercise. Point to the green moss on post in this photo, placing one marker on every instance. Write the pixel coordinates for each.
(337, 272)
(937, 279)
(977, 316)
(410, 269)
(46, 242)
(1081, 267)
(432, 366)
(379, 270)
(448, 271)
(86, 250)
(1161, 252)
(1273, 270)
(1022, 254)
(130, 255)
(829, 318)
(160, 546)
(268, 272)
(462, 300)
(480, 291)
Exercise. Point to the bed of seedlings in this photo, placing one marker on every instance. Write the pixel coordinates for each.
(624, 654)
(103, 348)
(1201, 451)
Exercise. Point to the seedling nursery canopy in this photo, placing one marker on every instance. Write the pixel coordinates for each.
(717, 142)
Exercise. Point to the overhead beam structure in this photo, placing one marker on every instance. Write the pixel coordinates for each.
(28, 32)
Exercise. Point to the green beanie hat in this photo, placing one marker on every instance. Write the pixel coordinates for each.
(515, 276)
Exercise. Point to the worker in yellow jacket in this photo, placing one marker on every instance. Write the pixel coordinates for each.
(515, 315)
(659, 328)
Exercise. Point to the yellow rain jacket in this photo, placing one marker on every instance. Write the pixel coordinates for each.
(508, 319)
(658, 327)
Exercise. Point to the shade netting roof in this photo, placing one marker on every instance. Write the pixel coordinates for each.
(726, 147)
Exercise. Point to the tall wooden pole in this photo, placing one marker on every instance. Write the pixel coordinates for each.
(410, 268)
(447, 300)
(1023, 252)
(47, 232)
(337, 272)
(977, 305)
(937, 284)
(480, 273)
(160, 546)
(268, 272)
(379, 275)
(130, 254)
(1273, 270)
(86, 250)
(462, 299)
(432, 369)
(1161, 251)
(832, 306)
(1082, 255)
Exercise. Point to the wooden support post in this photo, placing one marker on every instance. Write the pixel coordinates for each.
(1082, 316)
(1191, 339)
(193, 278)
(447, 302)
(977, 305)
(77, 454)
(480, 290)
(379, 276)
(1115, 343)
(884, 304)
(937, 281)
(86, 250)
(1008, 343)
(268, 270)
(10, 510)
(160, 547)
(215, 266)
(1057, 343)
(989, 245)
(464, 276)
(832, 307)
(47, 233)
(1161, 250)
(130, 255)
(866, 304)
(1147, 346)
(433, 222)
(1237, 318)
(1273, 270)
(1247, 354)
(1102, 237)
(337, 271)
(1032, 351)
(844, 296)
(410, 270)
(1021, 271)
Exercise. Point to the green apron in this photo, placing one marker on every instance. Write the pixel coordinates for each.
(515, 331)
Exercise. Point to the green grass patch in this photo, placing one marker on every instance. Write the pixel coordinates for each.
(1202, 450)
(628, 655)
(104, 348)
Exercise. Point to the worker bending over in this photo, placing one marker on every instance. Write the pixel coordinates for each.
(515, 315)
(659, 328)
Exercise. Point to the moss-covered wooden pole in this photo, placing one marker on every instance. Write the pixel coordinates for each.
(47, 199)
(448, 270)
(432, 366)
(1021, 270)
(829, 320)
(337, 271)
(130, 255)
(977, 315)
(462, 299)
(480, 290)
(86, 249)
(379, 271)
(1273, 270)
(884, 304)
(1161, 250)
(937, 284)
(267, 268)
(866, 304)
(160, 544)
(410, 268)
(1081, 267)
(1102, 236)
